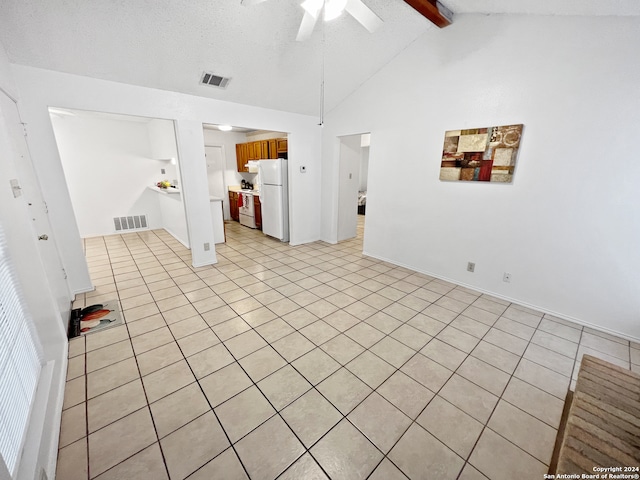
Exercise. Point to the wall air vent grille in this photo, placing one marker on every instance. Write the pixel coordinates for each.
(133, 222)
(214, 80)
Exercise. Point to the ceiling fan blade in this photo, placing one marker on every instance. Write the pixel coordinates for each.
(364, 15)
(306, 27)
(250, 3)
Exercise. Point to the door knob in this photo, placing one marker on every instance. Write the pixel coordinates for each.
(43, 237)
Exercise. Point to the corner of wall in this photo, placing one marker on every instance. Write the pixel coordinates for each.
(7, 82)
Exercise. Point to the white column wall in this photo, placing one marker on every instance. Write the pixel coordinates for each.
(42, 437)
(568, 227)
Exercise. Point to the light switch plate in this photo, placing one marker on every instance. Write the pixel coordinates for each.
(15, 187)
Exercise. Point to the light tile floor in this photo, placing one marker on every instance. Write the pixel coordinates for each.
(310, 362)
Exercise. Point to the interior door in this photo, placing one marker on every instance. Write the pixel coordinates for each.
(215, 174)
(37, 208)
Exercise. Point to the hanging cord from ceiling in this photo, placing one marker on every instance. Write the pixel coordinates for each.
(322, 54)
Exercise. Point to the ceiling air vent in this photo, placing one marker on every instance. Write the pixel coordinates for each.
(214, 80)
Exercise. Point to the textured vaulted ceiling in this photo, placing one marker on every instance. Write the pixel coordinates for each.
(547, 7)
(167, 44)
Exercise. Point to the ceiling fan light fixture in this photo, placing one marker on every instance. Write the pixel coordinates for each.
(333, 9)
(313, 7)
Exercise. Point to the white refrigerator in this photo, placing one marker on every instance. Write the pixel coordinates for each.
(274, 198)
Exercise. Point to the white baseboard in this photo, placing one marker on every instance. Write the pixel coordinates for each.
(512, 300)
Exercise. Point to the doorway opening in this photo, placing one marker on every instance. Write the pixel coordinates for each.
(353, 173)
(122, 171)
(233, 155)
(215, 159)
(215, 170)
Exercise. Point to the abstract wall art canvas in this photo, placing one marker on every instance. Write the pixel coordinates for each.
(481, 154)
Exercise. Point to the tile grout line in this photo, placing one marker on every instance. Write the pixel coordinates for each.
(307, 450)
(486, 425)
(147, 406)
(144, 389)
(211, 407)
(341, 332)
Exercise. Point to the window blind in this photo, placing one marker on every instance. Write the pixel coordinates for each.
(21, 360)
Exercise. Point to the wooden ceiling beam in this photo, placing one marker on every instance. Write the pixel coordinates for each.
(433, 11)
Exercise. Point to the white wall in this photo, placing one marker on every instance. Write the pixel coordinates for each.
(162, 142)
(42, 440)
(228, 141)
(260, 135)
(162, 139)
(173, 216)
(216, 167)
(364, 169)
(349, 180)
(108, 166)
(568, 228)
(7, 83)
(42, 88)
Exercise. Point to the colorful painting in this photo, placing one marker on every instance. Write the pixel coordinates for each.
(480, 154)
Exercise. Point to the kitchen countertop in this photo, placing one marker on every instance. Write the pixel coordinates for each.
(238, 189)
(166, 191)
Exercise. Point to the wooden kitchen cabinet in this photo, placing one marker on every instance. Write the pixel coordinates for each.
(273, 148)
(281, 145)
(257, 211)
(242, 157)
(238, 155)
(254, 150)
(257, 150)
(233, 206)
(250, 150)
(260, 150)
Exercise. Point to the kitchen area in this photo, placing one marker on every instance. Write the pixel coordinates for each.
(249, 167)
(123, 173)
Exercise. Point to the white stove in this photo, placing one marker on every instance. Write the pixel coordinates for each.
(247, 215)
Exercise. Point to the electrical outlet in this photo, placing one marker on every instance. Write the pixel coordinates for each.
(471, 267)
(506, 277)
(206, 247)
(162, 171)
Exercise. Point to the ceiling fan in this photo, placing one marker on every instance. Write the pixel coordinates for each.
(332, 9)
